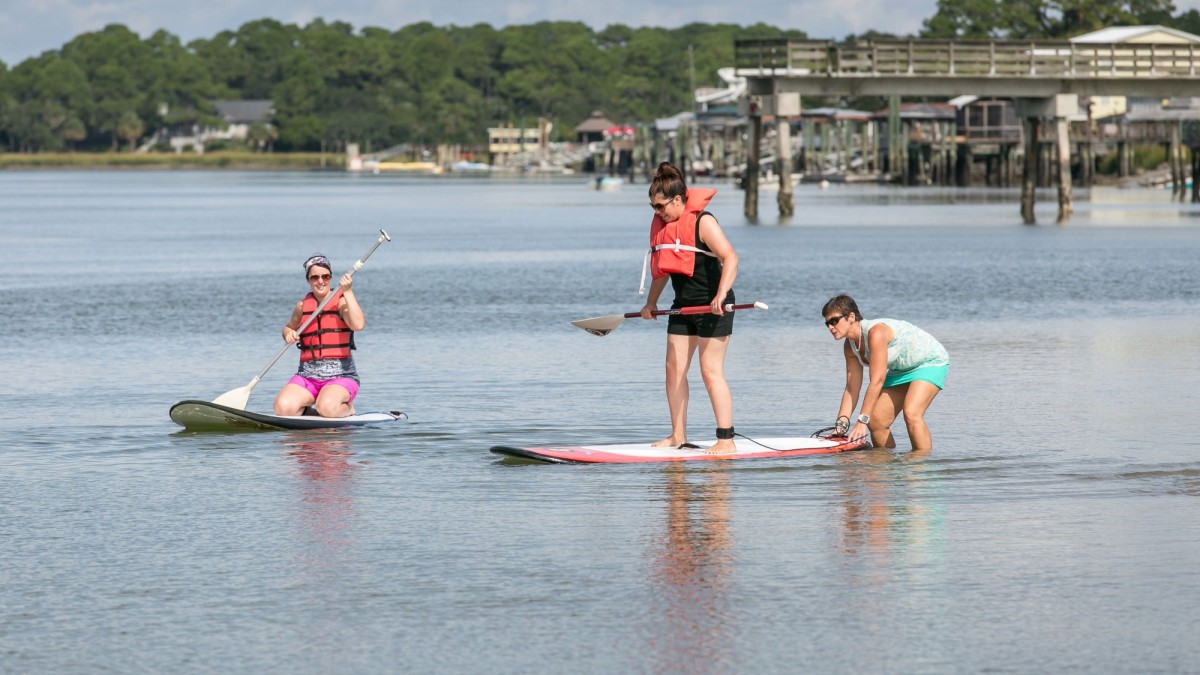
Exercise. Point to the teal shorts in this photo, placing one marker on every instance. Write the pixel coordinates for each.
(935, 375)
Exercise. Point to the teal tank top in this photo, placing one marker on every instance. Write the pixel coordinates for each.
(909, 348)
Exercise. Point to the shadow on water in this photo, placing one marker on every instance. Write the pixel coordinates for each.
(888, 512)
(691, 574)
(325, 480)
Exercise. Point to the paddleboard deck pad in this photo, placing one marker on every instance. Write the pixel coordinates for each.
(209, 416)
(759, 448)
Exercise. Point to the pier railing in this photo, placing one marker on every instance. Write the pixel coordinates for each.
(964, 58)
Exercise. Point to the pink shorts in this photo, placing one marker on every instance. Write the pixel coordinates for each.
(314, 387)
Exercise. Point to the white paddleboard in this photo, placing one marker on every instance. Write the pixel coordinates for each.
(759, 448)
(209, 416)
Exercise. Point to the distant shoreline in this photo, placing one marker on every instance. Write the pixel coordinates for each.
(245, 161)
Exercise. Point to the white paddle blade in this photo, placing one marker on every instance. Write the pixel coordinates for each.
(599, 326)
(237, 398)
(234, 398)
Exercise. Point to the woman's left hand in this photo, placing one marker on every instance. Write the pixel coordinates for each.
(716, 307)
(346, 281)
(859, 431)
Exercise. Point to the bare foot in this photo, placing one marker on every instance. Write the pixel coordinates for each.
(724, 446)
(668, 442)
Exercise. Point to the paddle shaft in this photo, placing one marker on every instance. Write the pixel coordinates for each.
(701, 309)
(383, 236)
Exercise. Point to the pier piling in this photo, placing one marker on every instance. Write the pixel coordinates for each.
(750, 180)
(1063, 142)
(784, 198)
(1029, 177)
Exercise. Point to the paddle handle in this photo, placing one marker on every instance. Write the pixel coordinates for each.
(700, 309)
(383, 236)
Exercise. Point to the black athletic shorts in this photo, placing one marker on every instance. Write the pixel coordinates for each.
(702, 325)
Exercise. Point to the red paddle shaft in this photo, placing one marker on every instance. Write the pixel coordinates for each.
(702, 309)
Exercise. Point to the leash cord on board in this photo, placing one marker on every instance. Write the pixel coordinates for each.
(820, 433)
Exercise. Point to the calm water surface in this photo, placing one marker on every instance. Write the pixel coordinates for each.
(1054, 528)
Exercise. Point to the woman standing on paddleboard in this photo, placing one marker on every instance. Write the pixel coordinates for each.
(908, 368)
(688, 247)
(327, 377)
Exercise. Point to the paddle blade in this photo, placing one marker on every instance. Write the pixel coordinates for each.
(599, 326)
(236, 398)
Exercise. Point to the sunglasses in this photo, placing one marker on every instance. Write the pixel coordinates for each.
(833, 320)
(320, 277)
(658, 208)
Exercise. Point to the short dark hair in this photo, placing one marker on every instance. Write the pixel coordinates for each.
(841, 304)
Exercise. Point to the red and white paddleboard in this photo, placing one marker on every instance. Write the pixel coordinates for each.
(759, 448)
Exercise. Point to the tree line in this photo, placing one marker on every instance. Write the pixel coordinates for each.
(330, 84)
(426, 84)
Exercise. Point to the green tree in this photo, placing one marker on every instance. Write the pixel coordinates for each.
(72, 131)
(118, 65)
(550, 69)
(262, 136)
(130, 128)
(301, 132)
(1034, 19)
(1187, 21)
(182, 89)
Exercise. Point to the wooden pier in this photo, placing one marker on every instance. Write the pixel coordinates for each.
(1044, 77)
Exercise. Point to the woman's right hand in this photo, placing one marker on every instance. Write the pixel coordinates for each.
(841, 426)
(648, 311)
(290, 335)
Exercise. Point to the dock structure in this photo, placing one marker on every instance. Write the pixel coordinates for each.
(1044, 77)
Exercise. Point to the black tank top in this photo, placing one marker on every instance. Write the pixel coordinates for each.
(701, 287)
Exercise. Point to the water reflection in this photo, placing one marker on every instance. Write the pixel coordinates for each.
(691, 575)
(325, 504)
(889, 526)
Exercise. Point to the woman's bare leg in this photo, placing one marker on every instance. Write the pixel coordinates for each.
(679, 358)
(712, 368)
(292, 400)
(916, 402)
(334, 401)
(884, 415)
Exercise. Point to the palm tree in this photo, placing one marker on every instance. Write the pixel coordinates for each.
(130, 128)
(72, 131)
(262, 135)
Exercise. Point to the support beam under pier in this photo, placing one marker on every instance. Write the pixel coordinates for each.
(784, 198)
(1063, 141)
(750, 180)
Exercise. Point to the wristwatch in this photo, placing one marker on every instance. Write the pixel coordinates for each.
(864, 418)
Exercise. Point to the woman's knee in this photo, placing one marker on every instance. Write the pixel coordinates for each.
(712, 373)
(331, 407)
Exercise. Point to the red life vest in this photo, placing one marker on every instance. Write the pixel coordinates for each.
(328, 336)
(673, 245)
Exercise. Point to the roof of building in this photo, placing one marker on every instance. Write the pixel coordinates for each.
(922, 111)
(1162, 115)
(836, 113)
(673, 122)
(1137, 34)
(247, 111)
(594, 124)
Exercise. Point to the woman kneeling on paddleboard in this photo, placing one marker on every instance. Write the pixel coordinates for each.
(908, 368)
(327, 377)
(688, 246)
